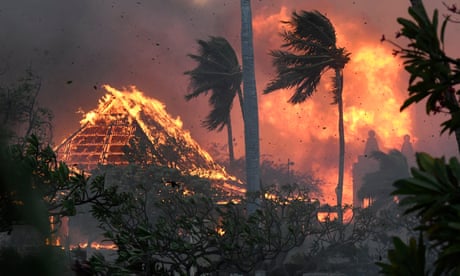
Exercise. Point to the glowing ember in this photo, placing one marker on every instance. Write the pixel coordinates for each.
(220, 231)
(326, 216)
(94, 245)
(53, 241)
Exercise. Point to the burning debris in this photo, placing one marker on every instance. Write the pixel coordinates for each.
(128, 127)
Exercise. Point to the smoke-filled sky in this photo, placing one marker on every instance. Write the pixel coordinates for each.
(146, 42)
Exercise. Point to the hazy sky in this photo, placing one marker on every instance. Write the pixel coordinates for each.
(145, 43)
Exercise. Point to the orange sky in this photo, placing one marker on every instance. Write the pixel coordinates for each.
(307, 133)
(145, 43)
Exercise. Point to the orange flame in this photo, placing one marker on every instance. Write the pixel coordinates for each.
(307, 133)
(140, 108)
(94, 245)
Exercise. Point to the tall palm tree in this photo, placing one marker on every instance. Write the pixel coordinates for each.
(251, 111)
(311, 50)
(219, 72)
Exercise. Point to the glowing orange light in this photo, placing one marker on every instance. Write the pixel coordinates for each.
(116, 113)
(326, 216)
(94, 245)
(308, 132)
(220, 231)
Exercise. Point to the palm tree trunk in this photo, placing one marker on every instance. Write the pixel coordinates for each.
(240, 99)
(339, 189)
(231, 154)
(251, 112)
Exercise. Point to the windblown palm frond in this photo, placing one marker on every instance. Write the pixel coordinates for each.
(312, 27)
(218, 72)
(301, 72)
(311, 51)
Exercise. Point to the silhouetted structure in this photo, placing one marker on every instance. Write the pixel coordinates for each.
(366, 164)
(371, 144)
(408, 151)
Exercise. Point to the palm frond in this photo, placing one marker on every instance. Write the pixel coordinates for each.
(307, 86)
(308, 47)
(311, 51)
(301, 72)
(221, 103)
(284, 58)
(219, 73)
(314, 26)
(217, 50)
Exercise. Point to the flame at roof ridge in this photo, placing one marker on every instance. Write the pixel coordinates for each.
(125, 118)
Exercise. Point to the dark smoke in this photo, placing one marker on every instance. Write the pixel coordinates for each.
(76, 46)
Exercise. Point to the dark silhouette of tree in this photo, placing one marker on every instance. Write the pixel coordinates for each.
(311, 51)
(21, 115)
(34, 179)
(218, 72)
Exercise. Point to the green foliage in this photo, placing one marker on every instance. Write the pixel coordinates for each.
(146, 215)
(45, 261)
(35, 187)
(433, 74)
(285, 216)
(170, 229)
(349, 247)
(159, 229)
(38, 186)
(433, 193)
(20, 202)
(405, 259)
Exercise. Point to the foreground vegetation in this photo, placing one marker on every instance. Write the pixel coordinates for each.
(163, 222)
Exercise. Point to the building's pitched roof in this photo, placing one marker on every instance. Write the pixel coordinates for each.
(127, 126)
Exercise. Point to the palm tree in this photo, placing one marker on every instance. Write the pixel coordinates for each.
(251, 111)
(217, 71)
(311, 51)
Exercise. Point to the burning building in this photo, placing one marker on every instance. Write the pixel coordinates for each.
(128, 127)
(368, 164)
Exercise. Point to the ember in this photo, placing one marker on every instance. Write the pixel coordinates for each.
(94, 245)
